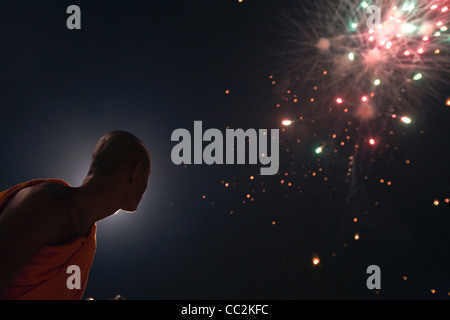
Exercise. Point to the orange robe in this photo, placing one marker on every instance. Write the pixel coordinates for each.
(45, 276)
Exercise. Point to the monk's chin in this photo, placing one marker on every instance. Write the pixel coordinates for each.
(129, 210)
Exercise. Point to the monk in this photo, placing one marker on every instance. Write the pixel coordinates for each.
(48, 228)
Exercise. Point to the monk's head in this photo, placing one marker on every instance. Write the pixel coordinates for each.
(121, 159)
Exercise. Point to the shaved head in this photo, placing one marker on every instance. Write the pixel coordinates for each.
(116, 150)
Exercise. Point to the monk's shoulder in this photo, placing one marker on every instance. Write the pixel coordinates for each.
(45, 198)
(50, 202)
(60, 207)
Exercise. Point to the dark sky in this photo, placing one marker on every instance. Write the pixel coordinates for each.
(151, 67)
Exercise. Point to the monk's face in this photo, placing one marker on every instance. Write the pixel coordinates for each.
(141, 185)
(136, 190)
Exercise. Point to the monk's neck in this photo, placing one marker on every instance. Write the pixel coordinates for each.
(95, 200)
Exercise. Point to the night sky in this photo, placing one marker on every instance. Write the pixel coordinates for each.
(219, 231)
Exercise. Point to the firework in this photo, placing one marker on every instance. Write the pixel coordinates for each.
(369, 64)
(351, 75)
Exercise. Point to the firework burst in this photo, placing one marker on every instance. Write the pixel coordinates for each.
(369, 59)
(353, 77)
